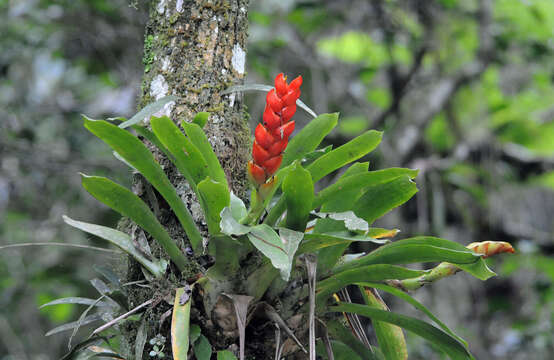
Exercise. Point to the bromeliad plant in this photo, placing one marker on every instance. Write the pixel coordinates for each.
(290, 224)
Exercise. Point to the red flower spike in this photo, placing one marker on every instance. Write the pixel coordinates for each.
(259, 154)
(281, 85)
(273, 164)
(272, 136)
(263, 137)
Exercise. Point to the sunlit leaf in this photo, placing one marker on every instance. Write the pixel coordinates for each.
(298, 191)
(215, 196)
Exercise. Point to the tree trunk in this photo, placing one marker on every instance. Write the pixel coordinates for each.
(193, 49)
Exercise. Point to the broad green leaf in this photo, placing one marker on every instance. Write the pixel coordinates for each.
(194, 333)
(380, 199)
(328, 257)
(342, 194)
(350, 220)
(314, 241)
(366, 273)
(180, 323)
(298, 191)
(309, 137)
(150, 136)
(390, 337)
(339, 332)
(215, 196)
(279, 251)
(197, 136)
(227, 253)
(134, 151)
(314, 155)
(237, 207)
(345, 154)
(406, 297)
(450, 345)
(340, 351)
(119, 239)
(128, 204)
(419, 249)
(230, 226)
(225, 355)
(148, 111)
(201, 118)
(202, 348)
(186, 156)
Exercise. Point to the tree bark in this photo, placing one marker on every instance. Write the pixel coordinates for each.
(193, 49)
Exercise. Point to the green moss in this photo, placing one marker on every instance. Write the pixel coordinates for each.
(173, 19)
(148, 58)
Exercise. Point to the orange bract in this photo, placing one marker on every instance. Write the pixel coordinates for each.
(273, 135)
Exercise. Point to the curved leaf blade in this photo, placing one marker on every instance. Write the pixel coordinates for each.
(298, 191)
(119, 239)
(451, 346)
(128, 204)
(180, 325)
(197, 136)
(308, 139)
(134, 151)
(345, 154)
(409, 299)
(215, 197)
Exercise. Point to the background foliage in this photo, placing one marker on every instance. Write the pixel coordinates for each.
(463, 89)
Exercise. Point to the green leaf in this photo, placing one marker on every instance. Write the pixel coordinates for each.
(202, 348)
(314, 155)
(225, 355)
(314, 241)
(180, 323)
(298, 191)
(309, 137)
(418, 249)
(128, 204)
(237, 207)
(199, 139)
(150, 136)
(201, 118)
(328, 257)
(345, 154)
(280, 250)
(194, 333)
(406, 297)
(148, 111)
(366, 273)
(341, 195)
(215, 196)
(134, 151)
(230, 226)
(121, 240)
(390, 337)
(186, 156)
(451, 346)
(380, 199)
(339, 332)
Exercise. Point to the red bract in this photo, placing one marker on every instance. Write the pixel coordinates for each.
(271, 137)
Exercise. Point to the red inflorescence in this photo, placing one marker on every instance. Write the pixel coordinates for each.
(272, 137)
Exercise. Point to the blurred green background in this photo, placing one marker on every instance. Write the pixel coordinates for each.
(464, 90)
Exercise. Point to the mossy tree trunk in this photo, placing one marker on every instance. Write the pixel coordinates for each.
(194, 49)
